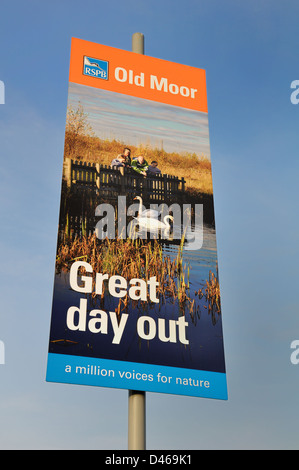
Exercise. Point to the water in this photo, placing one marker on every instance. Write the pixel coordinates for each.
(196, 340)
(200, 250)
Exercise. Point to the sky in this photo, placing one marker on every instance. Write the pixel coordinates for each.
(249, 52)
(137, 121)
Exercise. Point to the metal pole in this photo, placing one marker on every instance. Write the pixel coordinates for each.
(136, 405)
(138, 43)
(137, 427)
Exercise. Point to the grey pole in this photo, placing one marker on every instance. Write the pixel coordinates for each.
(138, 43)
(136, 428)
(136, 412)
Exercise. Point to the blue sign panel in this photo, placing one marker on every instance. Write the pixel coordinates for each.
(135, 376)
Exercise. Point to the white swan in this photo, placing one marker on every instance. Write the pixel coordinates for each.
(147, 212)
(154, 224)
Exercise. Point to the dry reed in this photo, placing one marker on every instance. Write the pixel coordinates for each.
(142, 260)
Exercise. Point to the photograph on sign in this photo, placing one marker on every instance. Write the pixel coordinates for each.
(136, 302)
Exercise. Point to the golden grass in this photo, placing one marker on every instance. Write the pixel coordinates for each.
(195, 169)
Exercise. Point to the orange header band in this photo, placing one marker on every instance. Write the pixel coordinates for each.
(137, 75)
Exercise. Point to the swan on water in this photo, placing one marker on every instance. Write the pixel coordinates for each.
(148, 219)
(149, 223)
(147, 212)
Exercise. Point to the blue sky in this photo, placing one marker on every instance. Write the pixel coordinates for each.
(138, 121)
(249, 51)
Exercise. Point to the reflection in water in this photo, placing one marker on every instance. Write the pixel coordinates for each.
(205, 256)
(161, 340)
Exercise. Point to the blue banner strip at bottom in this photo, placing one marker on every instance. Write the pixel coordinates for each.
(80, 370)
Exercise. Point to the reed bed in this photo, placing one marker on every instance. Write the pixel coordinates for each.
(138, 259)
(131, 258)
(212, 293)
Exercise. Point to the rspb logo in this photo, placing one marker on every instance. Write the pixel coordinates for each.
(95, 68)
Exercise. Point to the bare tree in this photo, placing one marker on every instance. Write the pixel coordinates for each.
(77, 132)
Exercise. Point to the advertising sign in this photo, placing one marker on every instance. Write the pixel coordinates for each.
(136, 302)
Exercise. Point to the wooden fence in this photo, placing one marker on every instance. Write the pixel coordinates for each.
(110, 183)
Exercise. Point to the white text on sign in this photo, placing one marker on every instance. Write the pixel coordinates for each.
(2, 92)
(155, 83)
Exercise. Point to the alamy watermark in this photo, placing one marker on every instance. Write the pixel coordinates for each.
(295, 94)
(185, 222)
(2, 353)
(2, 92)
(2, 346)
(294, 358)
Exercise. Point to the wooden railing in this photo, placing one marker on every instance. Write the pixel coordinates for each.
(110, 182)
